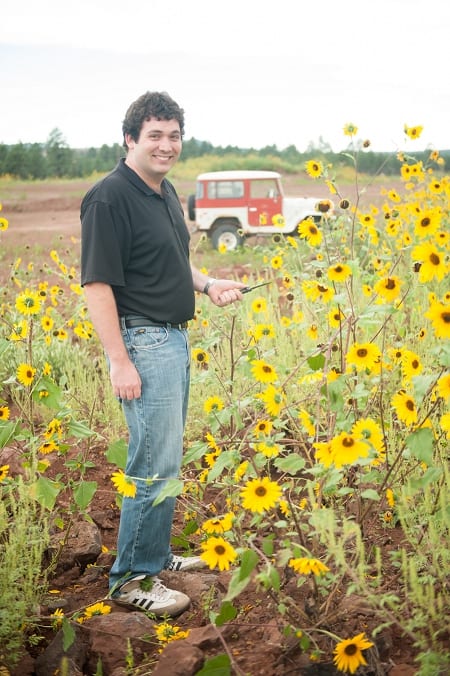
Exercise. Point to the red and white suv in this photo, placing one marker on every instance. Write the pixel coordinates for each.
(232, 205)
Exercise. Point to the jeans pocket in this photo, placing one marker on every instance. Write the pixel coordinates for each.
(146, 337)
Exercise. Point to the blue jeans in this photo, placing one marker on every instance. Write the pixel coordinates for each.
(156, 425)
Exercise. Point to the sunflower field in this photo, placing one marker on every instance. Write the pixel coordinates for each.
(319, 423)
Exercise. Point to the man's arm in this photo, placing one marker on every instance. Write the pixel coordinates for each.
(221, 291)
(102, 308)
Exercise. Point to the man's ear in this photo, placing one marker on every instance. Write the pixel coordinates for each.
(129, 140)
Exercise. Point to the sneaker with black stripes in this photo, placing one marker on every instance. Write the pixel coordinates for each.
(182, 563)
(149, 594)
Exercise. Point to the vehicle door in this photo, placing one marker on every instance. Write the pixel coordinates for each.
(265, 202)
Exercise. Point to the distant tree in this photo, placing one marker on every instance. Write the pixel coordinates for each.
(59, 155)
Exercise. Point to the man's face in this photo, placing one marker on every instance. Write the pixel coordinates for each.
(157, 148)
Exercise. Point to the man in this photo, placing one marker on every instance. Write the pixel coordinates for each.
(139, 287)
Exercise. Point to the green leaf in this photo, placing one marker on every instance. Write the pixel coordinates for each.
(249, 559)
(237, 585)
(68, 634)
(7, 431)
(420, 445)
(79, 430)
(117, 453)
(292, 463)
(316, 362)
(45, 491)
(370, 494)
(219, 665)
(52, 391)
(172, 489)
(84, 493)
(227, 612)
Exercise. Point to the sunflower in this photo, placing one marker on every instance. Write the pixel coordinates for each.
(413, 132)
(263, 372)
(97, 609)
(200, 356)
(3, 224)
(347, 653)
(25, 374)
(307, 422)
(276, 262)
(370, 431)
(363, 356)
(47, 323)
(433, 265)
(317, 291)
(427, 222)
(259, 305)
(213, 404)
(123, 484)
(443, 386)
(350, 129)
(218, 525)
(339, 272)
(388, 288)
(306, 566)
(19, 331)
(258, 495)
(268, 448)
(28, 303)
(48, 447)
(309, 231)
(444, 422)
(314, 168)
(273, 398)
(439, 315)
(4, 412)
(218, 552)
(323, 453)
(405, 407)
(335, 317)
(54, 429)
(263, 331)
(166, 632)
(346, 449)
(263, 428)
(4, 471)
(411, 364)
(278, 220)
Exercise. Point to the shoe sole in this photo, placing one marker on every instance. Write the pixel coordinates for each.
(162, 612)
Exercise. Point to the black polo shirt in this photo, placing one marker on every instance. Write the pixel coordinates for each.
(137, 241)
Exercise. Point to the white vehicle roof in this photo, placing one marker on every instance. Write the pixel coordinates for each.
(236, 175)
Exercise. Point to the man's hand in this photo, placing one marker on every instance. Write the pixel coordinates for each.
(225, 291)
(125, 379)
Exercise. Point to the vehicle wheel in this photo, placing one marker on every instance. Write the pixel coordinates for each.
(228, 235)
(191, 207)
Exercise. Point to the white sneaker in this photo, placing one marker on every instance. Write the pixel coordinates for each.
(182, 563)
(149, 593)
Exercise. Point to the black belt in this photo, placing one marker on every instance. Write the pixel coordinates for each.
(134, 322)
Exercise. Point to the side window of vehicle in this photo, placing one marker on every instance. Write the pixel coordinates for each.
(264, 188)
(225, 190)
(200, 190)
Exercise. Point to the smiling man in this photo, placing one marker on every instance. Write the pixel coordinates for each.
(139, 285)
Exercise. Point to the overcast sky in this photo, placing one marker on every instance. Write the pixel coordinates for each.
(246, 72)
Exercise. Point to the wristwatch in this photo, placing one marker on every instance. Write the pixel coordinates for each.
(209, 284)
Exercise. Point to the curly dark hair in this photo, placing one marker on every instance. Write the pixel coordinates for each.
(151, 104)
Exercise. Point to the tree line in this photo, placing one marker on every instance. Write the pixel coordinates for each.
(55, 159)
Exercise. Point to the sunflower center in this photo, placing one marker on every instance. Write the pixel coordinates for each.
(338, 268)
(220, 550)
(322, 289)
(425, 222)
(348, 442)
(445, 316)
(435, 259)
(390, 284)
(351, 649)
(410, 405)
(415, 364)
(267, 369)
(260, 491)
(313, 230)
(362, 352)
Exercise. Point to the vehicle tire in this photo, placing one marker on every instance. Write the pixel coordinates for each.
(228, 235)
(191, 207)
